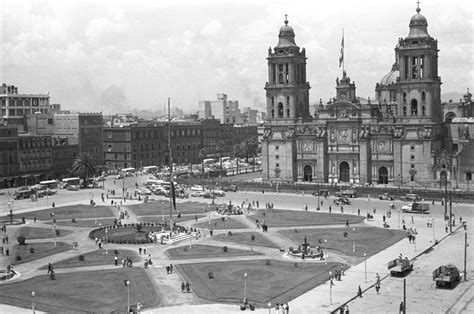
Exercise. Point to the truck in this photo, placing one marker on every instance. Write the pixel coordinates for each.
(416, 208)
(400, 266)
(446, 276)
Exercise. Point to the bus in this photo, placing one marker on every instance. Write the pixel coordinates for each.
(151, 182)
(128, 171)
(50, 184)
(70, 181)
(208, 161)
(150, 169)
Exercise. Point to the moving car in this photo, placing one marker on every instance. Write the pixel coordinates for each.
(410, 198)
(230, 188)
(342, 201)
(386, 197)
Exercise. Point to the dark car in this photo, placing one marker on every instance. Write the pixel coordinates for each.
(231, 188)
(342, 201)
(386, 197)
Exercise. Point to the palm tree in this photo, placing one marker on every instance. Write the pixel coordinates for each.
(83, 167)
(202, 155)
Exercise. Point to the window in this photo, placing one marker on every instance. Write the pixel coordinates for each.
(414, 67)
(404, 110)
(277, 156)
(423, 110)
(412, 178)
(468, 176)
(404, 97)
(288, 112)
(412, 148)
(277, 147)
(423, 96)
(273, 73)
(277, 165)
(273, 101)
(109, 134)
(287, 75)
(287, 100)
(422, 75)
(280, 110)
(412, 157)
(412, 166)
(414, 107)
(406, 67)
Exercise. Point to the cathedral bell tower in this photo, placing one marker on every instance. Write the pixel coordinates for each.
(287, 88)
(418, 84)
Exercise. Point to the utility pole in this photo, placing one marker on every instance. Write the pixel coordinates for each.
(451, 212)
(404, 296)
(465, 254)
(446, 197)
(171, 166)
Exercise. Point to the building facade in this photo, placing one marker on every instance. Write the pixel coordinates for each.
(394, 140)
(9, 162)
(35, 156)
(15, 106)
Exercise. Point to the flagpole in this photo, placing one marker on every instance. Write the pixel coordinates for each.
(171, 166)
(343, 52)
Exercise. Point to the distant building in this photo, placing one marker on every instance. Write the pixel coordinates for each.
(84, 129)
(40, 123)
(227, 111)
(15, 106)
(9, 163)
(63, 156)
(35, 156)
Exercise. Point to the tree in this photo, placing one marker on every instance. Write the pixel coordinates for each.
(202, 155)
(83, 167)
(237, 150)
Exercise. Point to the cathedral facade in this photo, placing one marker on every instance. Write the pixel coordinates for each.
(397, 139)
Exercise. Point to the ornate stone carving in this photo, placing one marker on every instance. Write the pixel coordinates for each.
(267, 134)
(343, 135)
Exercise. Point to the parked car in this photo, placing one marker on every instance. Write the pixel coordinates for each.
(230, 188)
(198, 193)
(72, 187)
(143, 192)
(410, 198)
(386, 197)
(197, 188)
(342, 201)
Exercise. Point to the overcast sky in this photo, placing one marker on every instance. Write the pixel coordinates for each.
(111, 56)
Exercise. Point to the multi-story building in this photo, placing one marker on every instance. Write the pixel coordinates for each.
(15, 106)
(35, 156)
(227, 111)
(63, 156)
(40, 123)
(9, 163)
(84, 129)
(394, 140)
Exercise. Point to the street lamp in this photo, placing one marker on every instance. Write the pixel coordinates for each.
(353, 240)
(54, 231)
(269, 307)
(399, 219)
(330, 287)
(127, 283)
(106, 245)
(33, 294)
(365, 266)
(245, 288)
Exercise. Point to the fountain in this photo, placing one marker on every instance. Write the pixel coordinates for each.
(305, 251)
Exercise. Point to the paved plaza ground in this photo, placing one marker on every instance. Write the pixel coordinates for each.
(257, 257)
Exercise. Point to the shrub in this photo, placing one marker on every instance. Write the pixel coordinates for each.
(81, 258)
(252, 237)
(21, 240)
(32, 250)
(225, 249)
(229, 233)
(344, 234)
(18, 258)
(58, 232)
(268, 262)
(223, 218)
(73, 220)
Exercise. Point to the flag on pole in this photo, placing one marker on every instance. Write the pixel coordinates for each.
(341, 58)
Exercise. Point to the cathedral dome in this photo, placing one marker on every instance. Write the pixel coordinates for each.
(390, 77)
(418, 25)
(286, 37)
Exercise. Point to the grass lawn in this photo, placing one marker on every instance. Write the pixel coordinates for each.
(162, 207)
(201, 251)
(289, 218)
(41, 233)
(84, 223)
(244, 238)
(368, 240)
(278, 282)
(41, 250)
(101, 291)
(166, 218)
(227, 223)
(69, 212)
(95, 258)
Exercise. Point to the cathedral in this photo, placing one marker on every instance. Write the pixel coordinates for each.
(398, 139)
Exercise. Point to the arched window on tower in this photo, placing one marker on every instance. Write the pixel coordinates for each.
(405, 110)
(280, 78)
(414, 67)
(414, 107)
(404, 98)
(423, 110)
(423, 97)
(273, 101)
(287, 100)
(422, 61)
(288, 112)
(287, 74)
(273, 113)
(280, 110)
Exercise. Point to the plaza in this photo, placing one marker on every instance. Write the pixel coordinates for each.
(255, 259)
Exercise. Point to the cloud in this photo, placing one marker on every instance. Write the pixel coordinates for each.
(98, 28)
(211, 28)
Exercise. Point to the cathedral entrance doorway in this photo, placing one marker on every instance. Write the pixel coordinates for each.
(344, 172)
(308, 173)
(443, 176)
(383, 175)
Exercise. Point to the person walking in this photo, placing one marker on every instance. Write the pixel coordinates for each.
(359, 293)
(116, 260)
(183, 287)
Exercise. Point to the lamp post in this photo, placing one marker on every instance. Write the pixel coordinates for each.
(353, 240)
(432, 227)
(465, 254)
(33, 294)
(106, 245)
(127, 283)
(54, 231)
(399, 219)
(318, 208)
(365, 266)
(269, 307)
(330, 287)
(245, 288)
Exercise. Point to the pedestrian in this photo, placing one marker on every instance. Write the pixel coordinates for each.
(347, 309)
(383, 217)
(402, 307)
(195, 217)
(50, 267)
(140, 250)
(377, 287)
(116, 260)
(182, 287)
(188, 289)
(306, 207)
(330, 208)
(359, 293)
(347, 223)
(171, 268)
(358, 212)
